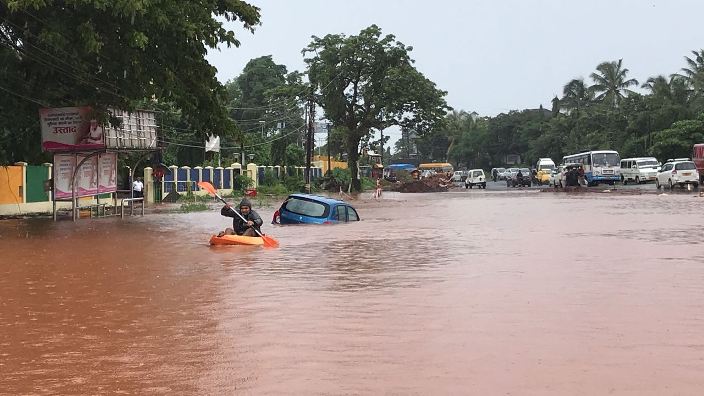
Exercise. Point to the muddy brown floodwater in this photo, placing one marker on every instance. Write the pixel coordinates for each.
(453, 293)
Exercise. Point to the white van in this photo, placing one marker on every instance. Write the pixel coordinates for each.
(639, 170)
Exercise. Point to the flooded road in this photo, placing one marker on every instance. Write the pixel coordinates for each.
(473, 292)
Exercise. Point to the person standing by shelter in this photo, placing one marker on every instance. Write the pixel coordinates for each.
(138, 188)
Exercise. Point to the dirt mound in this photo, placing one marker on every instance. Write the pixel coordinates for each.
(428, 184)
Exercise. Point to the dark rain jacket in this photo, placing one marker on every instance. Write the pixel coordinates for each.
(237, 224)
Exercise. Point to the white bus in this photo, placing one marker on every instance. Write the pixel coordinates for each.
(602, 166)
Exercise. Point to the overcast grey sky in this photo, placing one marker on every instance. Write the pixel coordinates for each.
(491, 56)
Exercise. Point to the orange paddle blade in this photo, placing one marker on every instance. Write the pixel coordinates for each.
(270, 242)
(207, 187)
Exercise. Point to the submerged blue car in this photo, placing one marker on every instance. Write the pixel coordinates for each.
(314, 209)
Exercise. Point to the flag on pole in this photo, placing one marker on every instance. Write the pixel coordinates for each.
(213, 144)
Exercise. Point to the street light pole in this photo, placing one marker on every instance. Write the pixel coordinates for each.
(261, 122)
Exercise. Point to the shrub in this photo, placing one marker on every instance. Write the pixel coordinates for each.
(242, 182)
(193, 207)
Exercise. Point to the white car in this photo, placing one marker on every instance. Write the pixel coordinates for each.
(680, 172)
(475, 177)
(458, 176)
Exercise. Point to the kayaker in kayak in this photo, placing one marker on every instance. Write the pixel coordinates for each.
(239, 227)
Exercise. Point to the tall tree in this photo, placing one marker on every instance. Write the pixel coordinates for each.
(367, 82)
(693, 74)
(114, 54)
(576, 96)
(455, 124)
(266, 106)
(611, 83)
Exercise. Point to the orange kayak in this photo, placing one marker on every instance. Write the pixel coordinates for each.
(235, 240)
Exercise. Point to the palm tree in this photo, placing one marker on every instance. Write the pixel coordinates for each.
(611, 84)
(576, 96)
(694, 74)
(455, 124)
(674, 90)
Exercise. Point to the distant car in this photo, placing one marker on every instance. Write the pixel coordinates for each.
(497, 173)
(314, 209)
(555, 177)
(427, 173)
(459, 176)
(524, 181)
(680, 172)
(501, 173)
(475, 177)
(510, 173)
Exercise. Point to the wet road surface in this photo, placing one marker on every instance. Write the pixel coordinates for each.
(464, 292)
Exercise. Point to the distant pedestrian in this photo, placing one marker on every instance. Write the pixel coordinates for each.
(138, 188)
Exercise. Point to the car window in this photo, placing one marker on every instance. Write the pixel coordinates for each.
(666, 167)
(685, 166)
(340, 214)
(476, 173)
(306, 207)
(352, 214)
(647, 163)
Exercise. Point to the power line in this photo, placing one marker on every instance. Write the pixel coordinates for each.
(33, 100)
(165, 140)
(71, 67)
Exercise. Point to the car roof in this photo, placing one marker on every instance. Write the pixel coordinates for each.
(639, 159)
(319, 198)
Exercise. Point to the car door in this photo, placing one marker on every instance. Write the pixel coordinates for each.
(663, 174)
(340, 214)
(352, 214)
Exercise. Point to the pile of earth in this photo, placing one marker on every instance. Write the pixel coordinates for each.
(436, 183)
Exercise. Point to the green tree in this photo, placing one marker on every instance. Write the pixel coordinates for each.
(576, 96)
(113, 54)
(611, 83)
(693, 74)
(367, 82)
(265, 105)
(678, 140)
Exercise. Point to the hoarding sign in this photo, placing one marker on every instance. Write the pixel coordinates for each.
(70, 129)
(108, 173)
(101, 170)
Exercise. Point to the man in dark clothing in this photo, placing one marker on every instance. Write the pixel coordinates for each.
(239, 227)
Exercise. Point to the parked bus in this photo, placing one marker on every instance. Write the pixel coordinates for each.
(438, 167)
(602, 166)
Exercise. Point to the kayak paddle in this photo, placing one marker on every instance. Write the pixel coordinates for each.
(268, 241)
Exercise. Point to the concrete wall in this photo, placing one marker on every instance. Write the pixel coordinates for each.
(12, 185)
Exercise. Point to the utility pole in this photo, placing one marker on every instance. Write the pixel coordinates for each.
(309, 141)
(382, 147)
(328, 125)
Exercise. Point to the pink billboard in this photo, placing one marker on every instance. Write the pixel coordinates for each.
(70, 129)
(97, 175)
